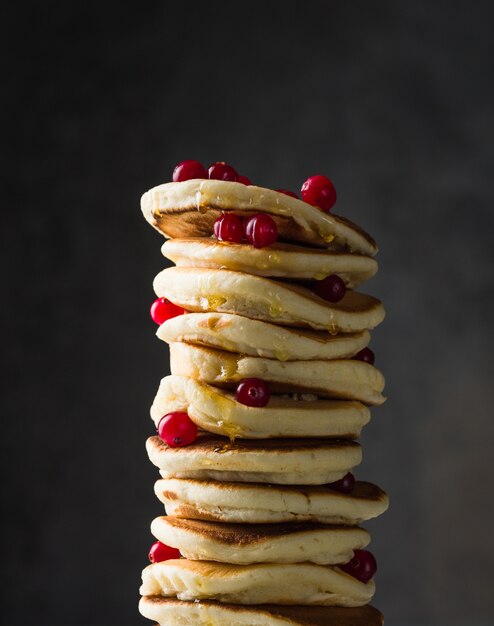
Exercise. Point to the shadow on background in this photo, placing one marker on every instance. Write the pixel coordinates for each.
(394, 102)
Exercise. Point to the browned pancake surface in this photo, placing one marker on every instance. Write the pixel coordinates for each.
(245, 534)
(208, 443)
(300, 615)
(361, 491)
(352, 301)
(182, 223)
(278, 245)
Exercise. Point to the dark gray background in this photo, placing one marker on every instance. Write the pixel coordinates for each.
(394, 101)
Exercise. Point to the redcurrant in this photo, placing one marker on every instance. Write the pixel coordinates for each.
(319, 191)
(222, 171)
(229, 227)
(363, 566)
(253, 392)
(177, 429)
(345, 484)
(161, 552)
(331, 288)
(162, 310)
(366, 355)
(261, 230)
(186, 170)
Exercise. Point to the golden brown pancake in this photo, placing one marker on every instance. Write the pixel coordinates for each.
(281, 461)
(236, 333)
(218, 501)
(258, 583)
(173, 612)
(297, 415)
(200, 289)
(345, 379)
(244, 544)
(190, 208)
(280, 260)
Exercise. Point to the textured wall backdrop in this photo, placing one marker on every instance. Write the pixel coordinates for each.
(394, 101)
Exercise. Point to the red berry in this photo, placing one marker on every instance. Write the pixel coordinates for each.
(253, 392)
(319, 191)
(244, 180)
(188, 170)
(177, 429)
(345, 484)
(287, 192)
(261, 230)
(222, 171)
(161, 552)
(332, 288)
(162, 310)
(229, 227)
(363, 566)
(365, 355)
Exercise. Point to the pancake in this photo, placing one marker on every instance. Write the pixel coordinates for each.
(281, 260)
(235, 333)
(278, 461)
(267, 504)
(298, 583)
(173, 612)
(243, 544)
(216, 410)
(202, 289)
(342, 378)
(190, 208)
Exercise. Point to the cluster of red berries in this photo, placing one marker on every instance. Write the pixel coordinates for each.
(317, 190)
(187, 170)
(260, 230)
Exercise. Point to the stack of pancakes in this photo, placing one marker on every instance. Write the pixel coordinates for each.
(248, 503)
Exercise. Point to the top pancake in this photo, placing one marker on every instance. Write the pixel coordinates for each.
(281, 260)
(189, 209)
